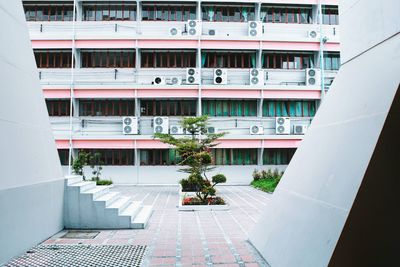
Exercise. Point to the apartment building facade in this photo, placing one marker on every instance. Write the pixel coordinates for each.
(258, 69)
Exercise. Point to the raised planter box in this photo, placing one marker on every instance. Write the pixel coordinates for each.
(183, 195)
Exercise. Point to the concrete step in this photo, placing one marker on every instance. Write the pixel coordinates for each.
(108, 198)
(120, 204)
(83, 186)
(142, 218)
(133, 209)
(97, 191)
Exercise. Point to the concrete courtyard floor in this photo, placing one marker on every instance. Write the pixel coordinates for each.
(187, 238)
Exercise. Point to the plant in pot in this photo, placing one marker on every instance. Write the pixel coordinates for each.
(196, 157)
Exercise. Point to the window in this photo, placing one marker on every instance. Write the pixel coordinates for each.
(278, 156)
(168, 107)
(330, 15)
(287, 60)
(228, 13)
(226, 108)
(332, 61)
(100, 11)
(95, 107)
(234, 156)
(59, 107)
(168, 12)
(223, 59)
(290, 108)
(56, 11)
(168, 59)
(119, 157)
(63, 154)
(53, 58)
(113, 58)
(286, 14)
(159, 157)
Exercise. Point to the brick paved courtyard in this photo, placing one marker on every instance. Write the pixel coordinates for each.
(186, 238)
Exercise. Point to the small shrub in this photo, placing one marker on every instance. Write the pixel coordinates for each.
(256, 175)
(266, 180)
(103, 182)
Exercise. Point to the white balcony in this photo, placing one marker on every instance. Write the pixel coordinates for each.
(144, 77)
(235, 127)
(161, 30)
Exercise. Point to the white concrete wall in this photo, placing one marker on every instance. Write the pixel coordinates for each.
(308, 211)
(31, 183)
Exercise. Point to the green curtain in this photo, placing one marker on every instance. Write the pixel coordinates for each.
(262, 60)
(299, 109)
(210, 13)
(253, 60)
(306, 109)
(244, 13)
(312, 108)
(203, 59)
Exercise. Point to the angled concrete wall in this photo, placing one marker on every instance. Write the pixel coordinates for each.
(31, 181)
(321, 213)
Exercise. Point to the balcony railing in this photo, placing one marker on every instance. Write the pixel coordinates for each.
(161, 30)
(145, 77)
(112, 126)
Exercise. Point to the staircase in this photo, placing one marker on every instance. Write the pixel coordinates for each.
(88, 206)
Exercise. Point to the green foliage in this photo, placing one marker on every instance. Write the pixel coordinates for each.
(79, 163)
(95, 164)
(195, 154)
(266, 180)
(103, 182)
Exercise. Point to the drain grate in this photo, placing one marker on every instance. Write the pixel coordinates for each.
(81, 256)
(79, 234)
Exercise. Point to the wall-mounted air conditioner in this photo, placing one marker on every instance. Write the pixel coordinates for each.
(212, 32)
(192, 76)
(300, 129)
(161, 125)
(282, 125)
(220, 76)
(194, 27)
(314, 34)
(256, 129)
(129, 125)
(175, 31)
(257, 77)
(212, 130)
(313, 77)
(174, 80)
(177, 129)
(158, 80)
(254, 29)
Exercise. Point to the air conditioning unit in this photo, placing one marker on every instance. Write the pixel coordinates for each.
(161, 124)
(212, 32)
(256, 129)
(313, 77)
(257, 77)
(220, 76)
(177, 129)
(212, 130)
(254, 29)
(194, 27)
(129, 125)
(282, 125)
(192, 76)
(300, 129)
(174, 81)
(158, 80)
(175, 31)
(313, 34)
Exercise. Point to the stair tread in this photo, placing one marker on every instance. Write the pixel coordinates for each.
(82, 183)
(129, 210)
(120, 202)
(95, 190)
(143, 215)
(107, 196)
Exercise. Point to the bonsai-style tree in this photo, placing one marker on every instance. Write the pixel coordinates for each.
(79, 163)
(195, 153)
